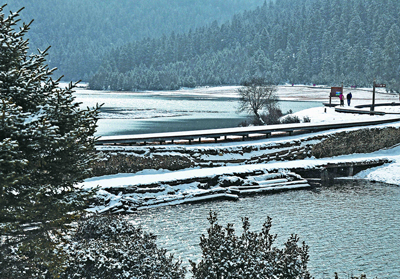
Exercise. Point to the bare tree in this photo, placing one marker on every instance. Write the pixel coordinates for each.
(257, 95)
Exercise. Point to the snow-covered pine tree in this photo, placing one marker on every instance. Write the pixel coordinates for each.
(46, 146)
(11, 161)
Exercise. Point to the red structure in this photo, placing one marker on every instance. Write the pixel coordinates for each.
(335, 92)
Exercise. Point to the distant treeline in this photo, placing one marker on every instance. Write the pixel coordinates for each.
(82, 32)
(287, 41)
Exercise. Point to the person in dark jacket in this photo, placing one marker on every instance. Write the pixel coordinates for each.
(348, 97)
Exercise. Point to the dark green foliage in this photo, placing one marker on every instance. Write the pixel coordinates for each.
(111, 247)
(11, 160)
(293, 119)
(46, 146)
(286, 41)
(251, 255)
(290, 119)
(272, 115)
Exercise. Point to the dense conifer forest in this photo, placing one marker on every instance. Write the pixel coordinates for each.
(81, 32)
(288, 41)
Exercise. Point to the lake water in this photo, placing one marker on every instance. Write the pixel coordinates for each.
(153, 112)
(352, 227)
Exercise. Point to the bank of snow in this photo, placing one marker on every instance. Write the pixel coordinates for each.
(389, 173)
(116, 196)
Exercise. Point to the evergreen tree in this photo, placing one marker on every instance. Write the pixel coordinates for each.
(46, 145)
(392, 55)
(11, 161)
(318, 41)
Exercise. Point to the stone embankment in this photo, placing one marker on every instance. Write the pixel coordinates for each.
(228, 186)
(232, 186)
(124, 159)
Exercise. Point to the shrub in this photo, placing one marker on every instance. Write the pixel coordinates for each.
(250, 255)
(272, 116)
(111, 247)
(294, 119)
(290, 119)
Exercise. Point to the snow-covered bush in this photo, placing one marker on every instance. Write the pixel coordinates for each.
(250, 255)
(111, 247)
(272, 115)
(290, 119)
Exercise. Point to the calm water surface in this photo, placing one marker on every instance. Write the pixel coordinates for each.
(137, 113)
(351, 228)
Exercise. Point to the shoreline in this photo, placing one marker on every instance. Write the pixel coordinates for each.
(219, 171)
(132, 177)
(231, 183)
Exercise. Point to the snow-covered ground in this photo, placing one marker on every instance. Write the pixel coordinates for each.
(389, 173)
(294, 93)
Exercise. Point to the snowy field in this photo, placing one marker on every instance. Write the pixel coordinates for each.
(294, 93)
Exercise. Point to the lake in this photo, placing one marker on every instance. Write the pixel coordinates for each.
(126, 113)
(352, 227)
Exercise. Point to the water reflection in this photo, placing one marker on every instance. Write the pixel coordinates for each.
(350, 228)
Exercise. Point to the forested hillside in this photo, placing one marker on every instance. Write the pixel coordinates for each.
(81, 32)
(294, 41)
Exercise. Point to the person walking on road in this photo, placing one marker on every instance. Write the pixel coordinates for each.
(349, 96)
(341, 97)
